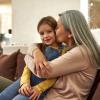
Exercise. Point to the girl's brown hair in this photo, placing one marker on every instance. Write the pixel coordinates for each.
(48, 20)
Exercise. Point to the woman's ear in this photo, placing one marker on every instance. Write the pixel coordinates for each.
(69, 35)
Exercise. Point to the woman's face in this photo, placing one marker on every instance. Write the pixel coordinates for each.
(62, 35)
(47, 34)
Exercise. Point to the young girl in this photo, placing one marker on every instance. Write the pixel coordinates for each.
(32, 87)
(51, 49)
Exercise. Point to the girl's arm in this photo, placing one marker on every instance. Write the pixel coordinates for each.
(25, 86)
(25, 78)
(43, 86)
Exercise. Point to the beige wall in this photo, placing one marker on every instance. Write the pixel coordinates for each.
(5, 18)
(26, 14)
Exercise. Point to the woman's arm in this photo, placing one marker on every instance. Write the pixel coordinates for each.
(40, 61)
(73, 61)
(29, 61)
(32, 48)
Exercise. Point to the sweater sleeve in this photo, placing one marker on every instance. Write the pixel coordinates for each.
(31, 48)
(73, 61)
(25, 78)
(30, 63)
(44, 85)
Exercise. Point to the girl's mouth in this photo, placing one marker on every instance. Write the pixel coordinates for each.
(47, 40)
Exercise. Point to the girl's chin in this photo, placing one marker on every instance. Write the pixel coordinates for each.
(48, 43)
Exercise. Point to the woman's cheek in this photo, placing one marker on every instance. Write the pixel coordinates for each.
(58, 33)
(59, 38)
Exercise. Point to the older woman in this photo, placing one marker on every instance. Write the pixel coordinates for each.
(77, 68)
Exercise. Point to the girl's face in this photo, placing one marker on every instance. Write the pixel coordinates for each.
(61, 34)
(47, 34)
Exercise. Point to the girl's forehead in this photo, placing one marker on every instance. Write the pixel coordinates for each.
(45, 27)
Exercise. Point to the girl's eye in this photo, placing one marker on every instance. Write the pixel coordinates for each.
(41, 33)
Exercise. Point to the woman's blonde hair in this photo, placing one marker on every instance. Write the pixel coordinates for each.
(74, 21)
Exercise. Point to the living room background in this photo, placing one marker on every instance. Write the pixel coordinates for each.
(27, 13)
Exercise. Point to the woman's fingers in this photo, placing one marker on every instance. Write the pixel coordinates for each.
(37, 69)
(39, 61)
(41, 65)
(44, 69)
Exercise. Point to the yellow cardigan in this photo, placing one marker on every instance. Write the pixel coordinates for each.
(44, 85)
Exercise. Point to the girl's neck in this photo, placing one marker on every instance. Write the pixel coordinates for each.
(54, 45)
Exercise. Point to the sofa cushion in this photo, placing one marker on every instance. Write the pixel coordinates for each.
(8, 65)
(20, 65)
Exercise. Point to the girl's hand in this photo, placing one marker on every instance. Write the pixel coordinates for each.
(35, 94)
(25, 90)
(40, 62)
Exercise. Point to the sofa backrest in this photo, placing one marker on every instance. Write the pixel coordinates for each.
(9, 49)
(94, 92)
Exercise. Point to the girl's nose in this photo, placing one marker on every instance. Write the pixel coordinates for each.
(45, 35)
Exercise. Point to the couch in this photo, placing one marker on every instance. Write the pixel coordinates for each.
(12, 65)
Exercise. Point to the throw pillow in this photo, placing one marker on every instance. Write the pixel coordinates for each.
(8, 65)
(20, 65)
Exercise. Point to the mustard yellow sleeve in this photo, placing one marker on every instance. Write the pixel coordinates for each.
(25, 78)
(64, 50)
(43, 86)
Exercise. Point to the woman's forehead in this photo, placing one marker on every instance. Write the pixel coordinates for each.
(59, 22)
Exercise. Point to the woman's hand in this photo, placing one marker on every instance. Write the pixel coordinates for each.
(42, 66)
(35, 94)
(25, 90)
